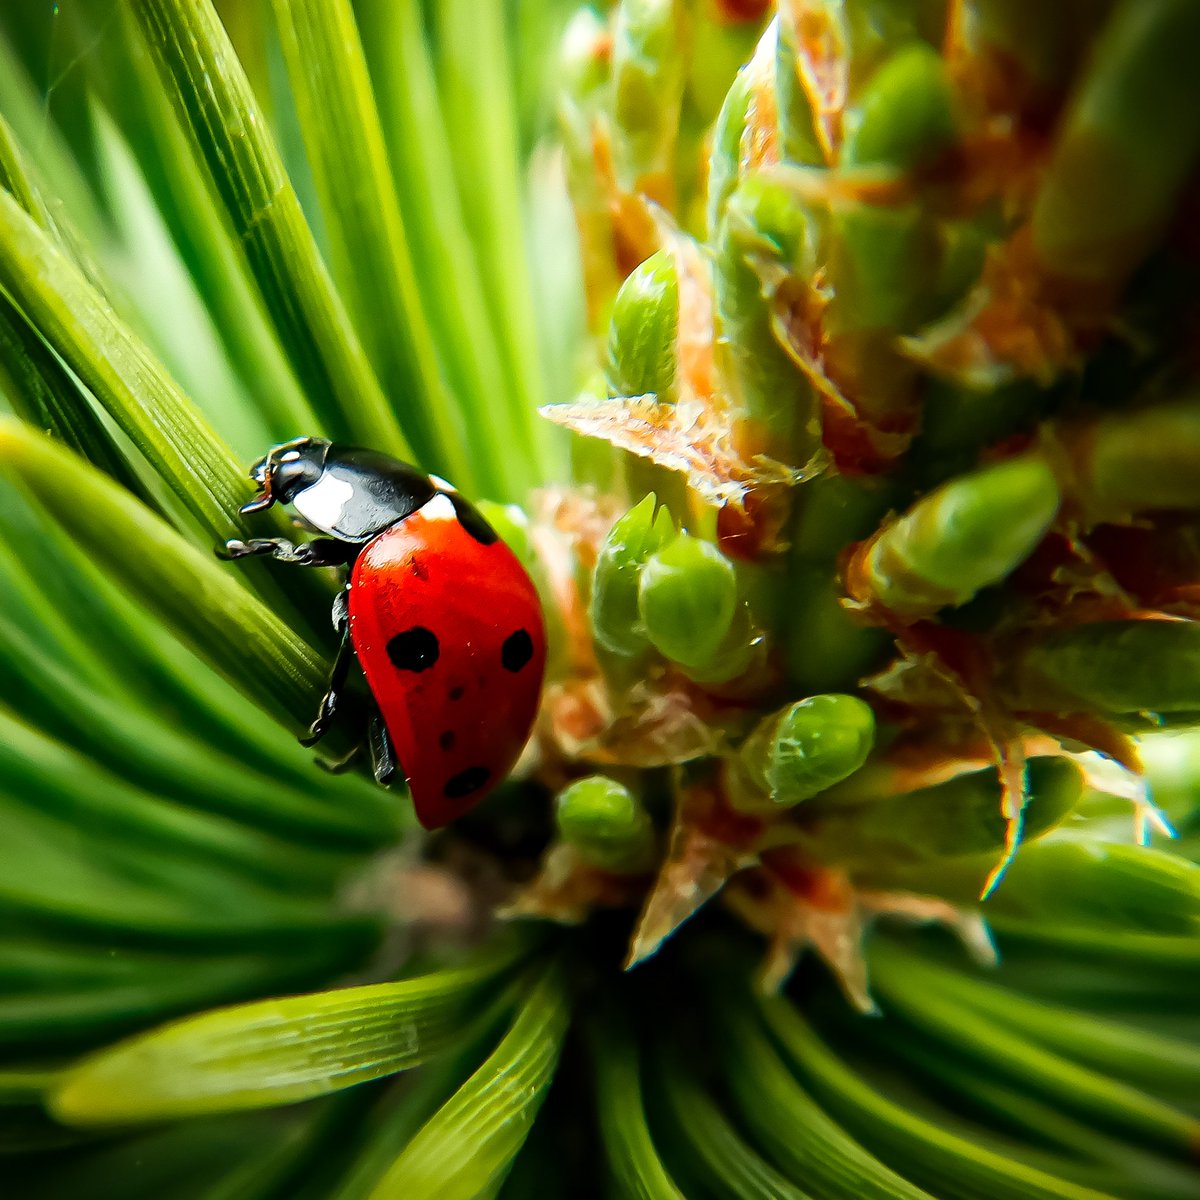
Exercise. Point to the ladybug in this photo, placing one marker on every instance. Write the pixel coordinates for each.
(442, 618)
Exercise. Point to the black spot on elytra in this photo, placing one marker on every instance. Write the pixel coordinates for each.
(446, 739)
(517, 650)
(465, 782)
(455, 693)
(414, 649)
(471, 519)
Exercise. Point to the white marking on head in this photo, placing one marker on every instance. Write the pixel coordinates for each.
(440, 508)
(290, 456)
(321, 504)
(439, 483)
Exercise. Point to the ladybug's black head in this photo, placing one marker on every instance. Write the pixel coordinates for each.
(287, 470)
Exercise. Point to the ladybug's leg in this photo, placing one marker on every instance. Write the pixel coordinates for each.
(337, 677)
(329, 702)
(383, 753)
(320, 552)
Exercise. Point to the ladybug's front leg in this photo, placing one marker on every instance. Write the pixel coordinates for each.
(320, 552)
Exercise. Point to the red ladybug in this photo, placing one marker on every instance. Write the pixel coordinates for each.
(442, 617)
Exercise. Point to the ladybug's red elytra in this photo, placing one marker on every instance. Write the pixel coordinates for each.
(441, 616)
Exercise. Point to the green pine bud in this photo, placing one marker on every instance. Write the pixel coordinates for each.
(961, 537)
(1127, 147)
(583, 73)
(1144, 460)
(962, 248)
(720, 40)
(905, 114)
(956, 819)
(641, 335)
(742, 648)
(607, 824)
(687, 601)
(630, 542)
(765, 230)
(583, 70)
(797, 136)
(648, 81)
(804, 749)
(1114, 667)
(767, 216)
(817, 743)
(884, 267)
(725, 159)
